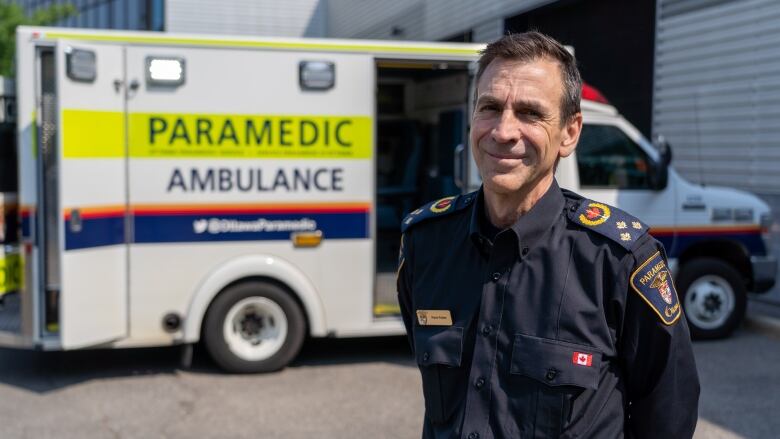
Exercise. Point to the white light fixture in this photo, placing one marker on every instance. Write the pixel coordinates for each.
(80, 64)
(317, 75)
(164, 71)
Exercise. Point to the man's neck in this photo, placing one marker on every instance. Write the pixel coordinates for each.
(503, 210)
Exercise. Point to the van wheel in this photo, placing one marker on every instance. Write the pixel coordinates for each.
(714, 297)
(253, 327)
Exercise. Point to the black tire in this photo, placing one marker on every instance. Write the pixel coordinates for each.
(723, 272)
(218, 346)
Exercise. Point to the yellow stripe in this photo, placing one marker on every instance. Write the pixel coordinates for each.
(93, 134)
(382, 309)
(98, 134)
(302, 45)
(11, 278)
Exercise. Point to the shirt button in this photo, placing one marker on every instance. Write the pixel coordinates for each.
(480, 382)
(496, 276)
(551, 374)
(486, 330)
(426, 356)
(474, 435)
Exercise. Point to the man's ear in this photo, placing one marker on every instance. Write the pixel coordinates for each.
(571, 135)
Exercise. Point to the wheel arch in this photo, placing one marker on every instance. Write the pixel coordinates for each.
(255, 267)
(728, 251)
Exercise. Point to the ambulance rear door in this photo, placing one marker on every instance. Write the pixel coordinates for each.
(236, 151)
(84, 193)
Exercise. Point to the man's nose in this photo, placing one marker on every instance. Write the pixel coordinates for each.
(507, 128)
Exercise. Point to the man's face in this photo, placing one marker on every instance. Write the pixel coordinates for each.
(516, 130)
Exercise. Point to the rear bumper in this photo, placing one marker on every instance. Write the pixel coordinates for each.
(764, 273)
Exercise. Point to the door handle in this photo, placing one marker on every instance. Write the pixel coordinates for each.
(75, 222)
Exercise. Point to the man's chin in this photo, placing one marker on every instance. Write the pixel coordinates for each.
(503, 184)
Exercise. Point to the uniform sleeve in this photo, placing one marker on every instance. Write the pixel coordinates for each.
(403, 285)
(662, 383)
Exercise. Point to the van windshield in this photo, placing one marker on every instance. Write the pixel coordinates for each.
(608, 158)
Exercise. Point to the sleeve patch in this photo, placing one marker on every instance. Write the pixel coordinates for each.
(653, 282)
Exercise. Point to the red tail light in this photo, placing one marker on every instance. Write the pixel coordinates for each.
(591, 94)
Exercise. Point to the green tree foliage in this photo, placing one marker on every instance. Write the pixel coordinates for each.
(12, 15)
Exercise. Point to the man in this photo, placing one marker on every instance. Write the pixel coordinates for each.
(533, 312)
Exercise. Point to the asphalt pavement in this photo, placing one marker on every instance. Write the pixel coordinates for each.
(360, 388)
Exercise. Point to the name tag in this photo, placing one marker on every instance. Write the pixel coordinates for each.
(434, 317)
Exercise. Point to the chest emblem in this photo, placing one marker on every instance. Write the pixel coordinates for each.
(653, 282)
(595, 214)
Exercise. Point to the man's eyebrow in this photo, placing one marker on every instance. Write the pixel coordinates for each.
(531, 104)
(487, 99)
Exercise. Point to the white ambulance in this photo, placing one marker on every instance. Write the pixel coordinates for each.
(248, 193)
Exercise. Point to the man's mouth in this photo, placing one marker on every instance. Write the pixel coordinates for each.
(504, 156)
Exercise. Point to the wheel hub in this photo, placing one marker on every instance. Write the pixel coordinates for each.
(709, 302)
(255, 328)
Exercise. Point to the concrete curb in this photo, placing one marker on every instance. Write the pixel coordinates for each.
(763, 324)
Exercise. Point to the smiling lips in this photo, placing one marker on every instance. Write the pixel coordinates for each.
(506, 156)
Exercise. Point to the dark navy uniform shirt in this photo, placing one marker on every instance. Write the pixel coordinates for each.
(566, 324)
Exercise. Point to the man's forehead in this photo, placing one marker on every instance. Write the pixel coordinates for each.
(541, 74)
(543, 69)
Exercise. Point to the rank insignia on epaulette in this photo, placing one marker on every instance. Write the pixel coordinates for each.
(652, 280)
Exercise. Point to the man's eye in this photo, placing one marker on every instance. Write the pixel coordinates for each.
(488, 108)
(529, 113)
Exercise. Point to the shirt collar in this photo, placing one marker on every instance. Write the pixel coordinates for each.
(528, 227)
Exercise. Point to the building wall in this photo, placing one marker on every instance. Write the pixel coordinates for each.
(106, 14)
(422, 19)
(717, 90)
(289, 18)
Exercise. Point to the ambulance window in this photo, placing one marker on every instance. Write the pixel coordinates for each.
(608, 158)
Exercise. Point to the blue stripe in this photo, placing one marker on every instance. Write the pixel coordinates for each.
(200, 228)
(95, 232)
(752, 242)
(26, 226)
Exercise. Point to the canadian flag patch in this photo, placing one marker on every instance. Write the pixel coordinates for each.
(582, 359)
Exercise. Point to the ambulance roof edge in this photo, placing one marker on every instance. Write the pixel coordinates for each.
(389, 48)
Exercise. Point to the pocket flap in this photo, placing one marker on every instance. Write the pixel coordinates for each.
(556, 363)
(438, 345)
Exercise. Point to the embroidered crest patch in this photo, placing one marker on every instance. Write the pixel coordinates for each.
(595, 214)
(442, 205)
(653, 282)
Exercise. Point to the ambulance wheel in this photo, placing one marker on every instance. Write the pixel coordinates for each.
(714, 297)
(253, 327)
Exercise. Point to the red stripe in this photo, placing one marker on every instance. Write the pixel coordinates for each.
(706, 231)
(249, 211)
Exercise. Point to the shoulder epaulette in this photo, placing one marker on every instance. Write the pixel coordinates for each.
(609, 221)
(438, 208)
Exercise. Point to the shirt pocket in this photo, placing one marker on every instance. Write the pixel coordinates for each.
(547, 376)
(438, 351)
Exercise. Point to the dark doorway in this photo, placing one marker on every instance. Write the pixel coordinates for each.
(613, 41)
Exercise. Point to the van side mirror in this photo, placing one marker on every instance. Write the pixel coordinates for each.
(662, 145)
(660, 171)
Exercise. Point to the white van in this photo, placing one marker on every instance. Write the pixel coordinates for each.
(248, 193)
